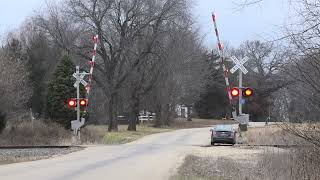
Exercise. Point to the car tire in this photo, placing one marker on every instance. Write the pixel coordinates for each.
(212, 143)
(233, 143)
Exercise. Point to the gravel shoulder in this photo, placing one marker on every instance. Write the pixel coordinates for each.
(230, 162)
(8, 156)
(223, 163)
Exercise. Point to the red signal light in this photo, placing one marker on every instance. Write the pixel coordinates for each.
(83, 102)
(72, 103)
(235, 92)
(247, 92)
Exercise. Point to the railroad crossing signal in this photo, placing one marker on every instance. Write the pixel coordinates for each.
(83, 102)
(239, 65)
(247, 92)
(72, 103)
(235, 92)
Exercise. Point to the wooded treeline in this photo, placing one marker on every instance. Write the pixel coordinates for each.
(150, 56)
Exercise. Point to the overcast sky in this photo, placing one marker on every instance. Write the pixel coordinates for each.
(255, 22)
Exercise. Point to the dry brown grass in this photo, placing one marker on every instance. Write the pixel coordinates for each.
(36, 133)
(295, 164)
(47, 133)
(93, 134)
(269, 135)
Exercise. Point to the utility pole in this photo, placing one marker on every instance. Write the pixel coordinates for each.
(77, 85)
(240, 93)
(79, 122)
(243, 119)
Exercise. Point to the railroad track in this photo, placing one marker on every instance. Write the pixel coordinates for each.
(270, 145)
(37, 147)
(258, 145)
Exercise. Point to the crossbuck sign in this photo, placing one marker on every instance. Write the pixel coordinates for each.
(239, 65)
(79, 78)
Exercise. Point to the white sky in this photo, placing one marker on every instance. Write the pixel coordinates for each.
(256, 22)
(262, 21)
(14, 12)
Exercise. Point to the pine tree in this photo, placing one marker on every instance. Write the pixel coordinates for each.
(59, 91)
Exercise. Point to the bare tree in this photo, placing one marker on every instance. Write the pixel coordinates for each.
(128, 32)
(303, 68)
(14, 86)
(181, 76)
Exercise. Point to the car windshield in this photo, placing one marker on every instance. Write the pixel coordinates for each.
(223, 128)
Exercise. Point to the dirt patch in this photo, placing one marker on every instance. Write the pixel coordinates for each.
(195, 167)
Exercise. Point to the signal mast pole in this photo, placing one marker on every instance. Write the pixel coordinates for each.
(240, 93)
(78, 94)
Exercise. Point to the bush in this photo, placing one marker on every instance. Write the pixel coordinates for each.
(37, 133)
(93, 134)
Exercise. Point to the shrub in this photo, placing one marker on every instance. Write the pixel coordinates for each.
(37, 133)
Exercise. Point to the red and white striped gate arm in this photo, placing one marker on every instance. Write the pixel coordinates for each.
(91, 63)
(221, 53)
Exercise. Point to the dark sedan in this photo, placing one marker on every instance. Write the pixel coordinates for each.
(223, 134)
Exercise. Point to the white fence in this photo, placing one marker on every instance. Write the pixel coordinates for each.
(143, 118)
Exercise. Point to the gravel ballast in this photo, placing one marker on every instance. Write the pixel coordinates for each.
(30, 154)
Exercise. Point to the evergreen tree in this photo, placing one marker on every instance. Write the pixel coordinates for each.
(213, 102)
(59, 91)
(38, 51)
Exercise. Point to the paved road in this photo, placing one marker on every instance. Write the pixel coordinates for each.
(153, 157)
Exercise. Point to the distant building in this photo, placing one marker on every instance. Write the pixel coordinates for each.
(184, 111)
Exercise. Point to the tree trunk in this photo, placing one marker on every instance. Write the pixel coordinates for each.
(113, 123)
(163, 115)
(166, 114)
(134, 112)
(158, 122)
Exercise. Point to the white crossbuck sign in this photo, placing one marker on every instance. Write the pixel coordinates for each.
(239, 65)
(79, 79)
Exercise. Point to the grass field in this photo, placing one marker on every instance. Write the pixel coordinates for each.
(124, 136)
(98, 134)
